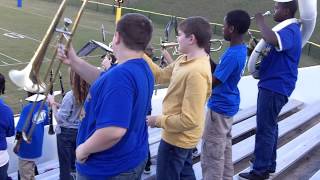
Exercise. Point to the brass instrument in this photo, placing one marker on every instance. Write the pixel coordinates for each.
(253, 43)
(267, 13)
(30, 75)
(218, 43)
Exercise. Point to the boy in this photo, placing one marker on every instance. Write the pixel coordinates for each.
(112, 140)
(29, 152)
(278, 75)
(182, 116)
(216, 157)
(6, 130)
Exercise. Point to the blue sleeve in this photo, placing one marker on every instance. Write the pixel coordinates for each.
(225, 68)
(10, 130)
(23, 117)
(114, 108)
(286, 38)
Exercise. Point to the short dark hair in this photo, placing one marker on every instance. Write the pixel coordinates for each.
(135, 30)
(2, 84)
(292, 6)
(199, 27)
(239, 19)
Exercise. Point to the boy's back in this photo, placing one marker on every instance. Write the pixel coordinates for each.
(34, 149)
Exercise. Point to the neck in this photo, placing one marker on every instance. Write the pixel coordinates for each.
(124, 56)
(236, 40)
(196, 53)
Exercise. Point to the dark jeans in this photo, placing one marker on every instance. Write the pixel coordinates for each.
(134, 174)
(66, 142)
(269, 106)
(174, 163)
(3, 171)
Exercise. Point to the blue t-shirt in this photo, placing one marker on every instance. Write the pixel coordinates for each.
(120, 97)
(34, 149)
(279, 69)
(225, 97)
(6, 124)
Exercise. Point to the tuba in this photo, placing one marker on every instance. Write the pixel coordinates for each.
(29, 77)
(308, 15)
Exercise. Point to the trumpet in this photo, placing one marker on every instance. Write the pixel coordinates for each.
(267, 13)
(30, 76)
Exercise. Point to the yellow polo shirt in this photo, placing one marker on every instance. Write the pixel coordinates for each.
(183, 107)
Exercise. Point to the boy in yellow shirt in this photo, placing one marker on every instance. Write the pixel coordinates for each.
(182, 117)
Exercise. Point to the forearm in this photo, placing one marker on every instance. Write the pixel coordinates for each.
(215, 82)
(267, 34)
(160, 75)
(86, 71)
(177, 123)
(103, 139)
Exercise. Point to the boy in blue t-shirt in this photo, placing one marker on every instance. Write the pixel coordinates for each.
(6, 130)
(216, 156)
(278, 75)
(28, 152)
(113, 139)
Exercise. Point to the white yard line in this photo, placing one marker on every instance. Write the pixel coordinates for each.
(21, 63)
(10, 57)
(28, 37)
(4, 62)
(48, 17)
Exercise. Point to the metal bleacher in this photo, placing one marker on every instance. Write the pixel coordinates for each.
(293, 116)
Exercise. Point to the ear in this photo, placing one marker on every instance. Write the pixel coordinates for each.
(117, 37)
(193, 39)
(231, 29)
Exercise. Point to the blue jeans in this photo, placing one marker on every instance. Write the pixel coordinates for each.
(133, 174)
(3, 171)
(66, 142)
(174, 163)
(269, 106)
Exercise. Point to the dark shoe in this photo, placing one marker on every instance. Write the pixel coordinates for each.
(253, 176)
(271, 172)
(147, 170)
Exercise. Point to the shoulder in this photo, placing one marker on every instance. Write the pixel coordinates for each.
(69, 93)
(4, 108)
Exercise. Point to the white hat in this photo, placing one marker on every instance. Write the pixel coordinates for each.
(32, 88)
(282, 0)
(36, 98)
(40, 97)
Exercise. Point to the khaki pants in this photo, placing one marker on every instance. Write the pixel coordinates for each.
(216, 154)
(26, 169)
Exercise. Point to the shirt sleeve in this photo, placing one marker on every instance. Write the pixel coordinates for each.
(193, 103)
(10, 130)
(65, 109)
(161, 75)
(285, 37)
(23, 117)
(225, 68)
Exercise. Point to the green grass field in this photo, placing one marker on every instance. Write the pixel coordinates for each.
(33, 19)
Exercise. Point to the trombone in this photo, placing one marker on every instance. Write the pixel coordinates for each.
(29, 76)
(216, 43)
